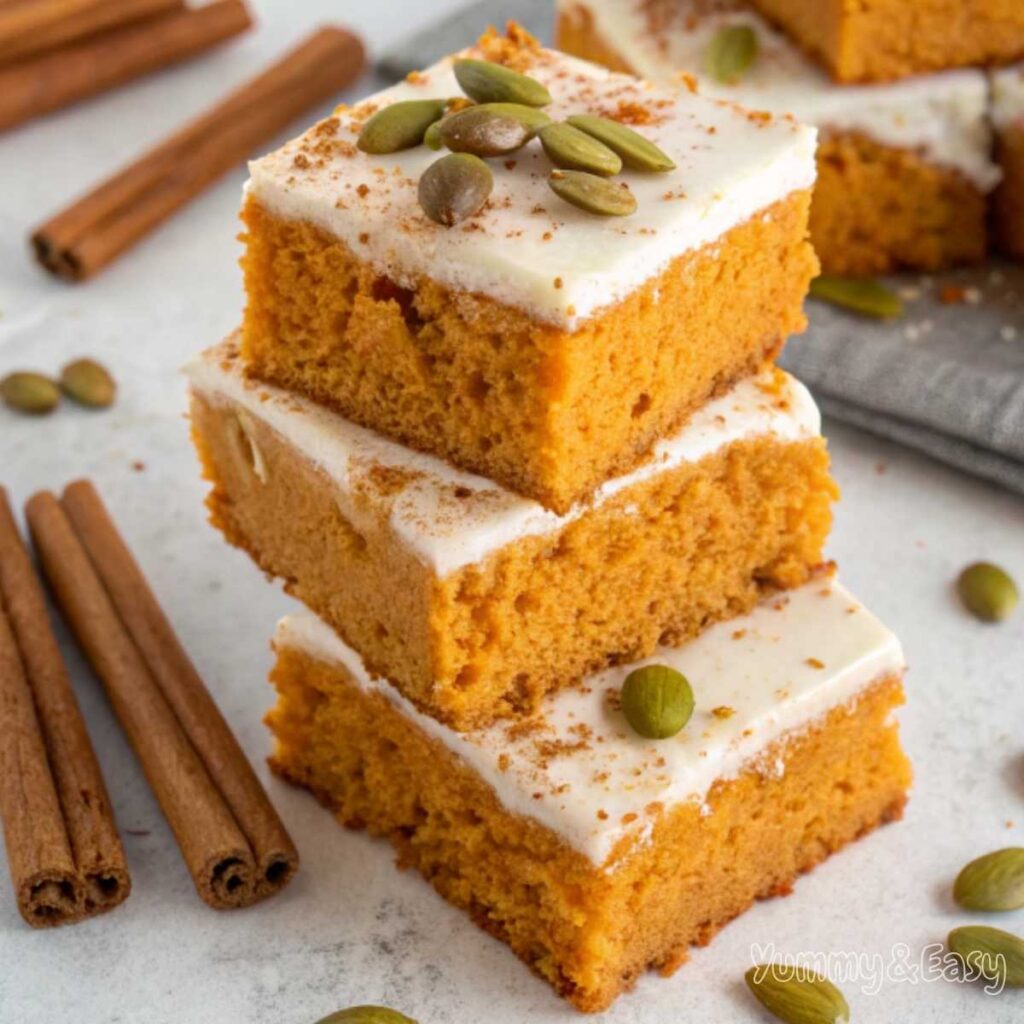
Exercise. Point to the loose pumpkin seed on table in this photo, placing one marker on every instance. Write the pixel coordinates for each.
(988, 592)
(88, 383)
(869, 298)
(992, 882)
(28, 392)
(796, 995)
(367, 1015)
(990, 953)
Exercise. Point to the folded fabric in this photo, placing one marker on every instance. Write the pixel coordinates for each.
(946, 379)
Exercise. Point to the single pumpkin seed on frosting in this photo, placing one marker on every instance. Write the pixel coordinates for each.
(797, 995)
(399, 126)
(636, 152)
(367, 1015)
(593, 193)
(486, 82)
(569, 148)
(533, 117)
(657, 701)
(992, 882)
(869, 298)
(432, 137)
(990, 953)
(29, 392)
(987, 591)
(483, 132)
(454, 188)
(731, 52)
(89, 383)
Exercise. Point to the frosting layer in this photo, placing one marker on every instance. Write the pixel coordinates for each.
(1007, 96)
(943, 115)
(527, 248)
(581, 771)
(451, 518)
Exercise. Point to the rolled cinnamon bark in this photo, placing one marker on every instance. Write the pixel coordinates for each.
(82, 795)
(86, 236)
(38, 85)
(34, 26)
(275, 854)
(47, 885)
(214, 848)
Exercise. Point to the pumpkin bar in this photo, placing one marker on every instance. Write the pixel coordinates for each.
(475, 601)
(904, 168)
(884, 40)
(593, 853)
(535, 343)
(1008, 119)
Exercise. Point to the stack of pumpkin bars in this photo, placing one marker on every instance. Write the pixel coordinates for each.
(507, 421)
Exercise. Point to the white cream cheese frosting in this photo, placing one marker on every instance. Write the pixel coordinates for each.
(944, 116)
(527, 248)
(450, 518)
(584, 774)
(1007, 96)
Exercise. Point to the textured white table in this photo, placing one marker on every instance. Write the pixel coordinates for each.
(351, 929)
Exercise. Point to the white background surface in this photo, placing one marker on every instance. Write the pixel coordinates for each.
(351, 929)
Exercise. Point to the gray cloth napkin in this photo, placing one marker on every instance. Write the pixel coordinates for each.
(946, 379)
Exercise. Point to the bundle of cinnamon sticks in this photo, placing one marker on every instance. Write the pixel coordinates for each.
(65, 856)
(56, 52)
(94, 230)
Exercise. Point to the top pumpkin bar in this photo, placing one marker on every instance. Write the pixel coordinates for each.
(884, 40)
(536, 343)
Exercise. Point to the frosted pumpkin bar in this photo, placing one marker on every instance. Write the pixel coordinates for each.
(535, 343)
(882, 40)
(594, 853)
(904, 168)
(1008, 120)
(475, 601)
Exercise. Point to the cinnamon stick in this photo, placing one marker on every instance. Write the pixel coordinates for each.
(47, 885)
(87, 817)
(214, 849)
(33, 26)
(93, 231)
(275, 855)
(38, 85)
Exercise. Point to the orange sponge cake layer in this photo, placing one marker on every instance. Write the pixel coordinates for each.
(904, 169)
(883, 40)
(537, 344)
(475, 601)
(593, 853)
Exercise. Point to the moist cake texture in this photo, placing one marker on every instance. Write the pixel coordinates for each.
(884, 40)
(596, 854)
(903, 168)
(541, 346)
(1008, 119)
(476, 602)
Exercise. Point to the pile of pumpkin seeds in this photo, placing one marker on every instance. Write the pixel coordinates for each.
(502, 114)
(84, 381)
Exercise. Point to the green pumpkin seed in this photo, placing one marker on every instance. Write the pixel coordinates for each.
(657, 701)
(483, 133)
(454, 188)
(990, 953)
(636, 152)
(367, 1015)
(399, 126)
(592, 193)
(486, 82)
(87, 382)
(29, 392)
(571, 149)
(992, 882)
(432, 137)
(987, 591)
(797, 995)
(532, 117)
(731, 52)
(869, 298)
